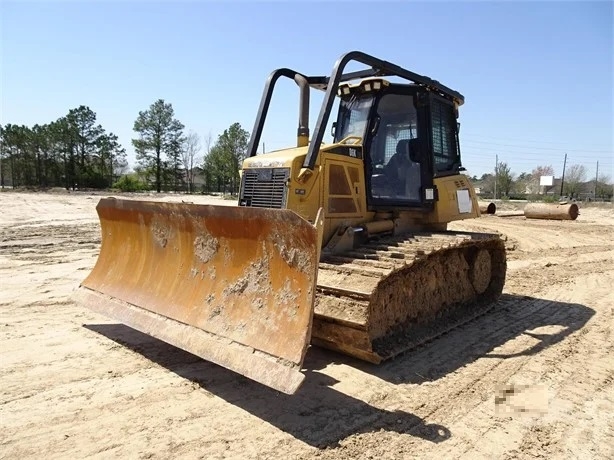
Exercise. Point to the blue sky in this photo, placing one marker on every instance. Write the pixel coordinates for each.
(537, 76)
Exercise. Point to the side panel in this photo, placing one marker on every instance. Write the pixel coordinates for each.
(234, 285)
(457, 200)
(344, 194)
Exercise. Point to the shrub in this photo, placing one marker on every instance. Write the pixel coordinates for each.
(130, 183)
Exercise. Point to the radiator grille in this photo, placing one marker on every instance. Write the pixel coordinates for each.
(264, 187)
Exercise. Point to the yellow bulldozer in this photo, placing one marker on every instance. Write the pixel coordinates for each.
(342, 245)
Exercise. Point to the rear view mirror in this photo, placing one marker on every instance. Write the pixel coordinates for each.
(333, 128)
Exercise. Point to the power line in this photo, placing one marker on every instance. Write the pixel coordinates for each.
(530, 164)
(524, 141)
(519, 165)
(469, 148)
(539, 148)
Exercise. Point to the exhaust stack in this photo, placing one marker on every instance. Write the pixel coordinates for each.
(302, 135)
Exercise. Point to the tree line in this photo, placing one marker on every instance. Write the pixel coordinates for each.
(72, 151)
(503, 183)
(75, 152)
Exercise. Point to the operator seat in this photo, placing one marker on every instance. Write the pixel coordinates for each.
(404, 173)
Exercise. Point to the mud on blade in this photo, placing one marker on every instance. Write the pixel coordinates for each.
(233, 285)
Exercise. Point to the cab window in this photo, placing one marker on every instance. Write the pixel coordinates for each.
(353, 117)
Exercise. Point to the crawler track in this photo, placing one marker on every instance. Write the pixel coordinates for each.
(397, 292)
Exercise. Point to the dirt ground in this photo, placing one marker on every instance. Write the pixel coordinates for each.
(533, 378)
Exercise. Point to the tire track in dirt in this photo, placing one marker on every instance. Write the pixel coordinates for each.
(566, 389)
(44, 240)
(531, 235)
(569, 353)
(48, 261)
(579, 376)
(455, 399)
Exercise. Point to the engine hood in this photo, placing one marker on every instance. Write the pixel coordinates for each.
(277, 159)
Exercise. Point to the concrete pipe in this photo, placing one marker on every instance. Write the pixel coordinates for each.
(488, 208)
(551, 211)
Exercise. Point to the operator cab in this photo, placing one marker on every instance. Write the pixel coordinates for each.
(409, 136)
(405, 134)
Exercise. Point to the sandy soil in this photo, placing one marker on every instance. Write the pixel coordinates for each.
(534, 378)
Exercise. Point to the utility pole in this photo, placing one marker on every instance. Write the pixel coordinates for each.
(263, 150)
(563, 177)
(496, 167)
(596, 180)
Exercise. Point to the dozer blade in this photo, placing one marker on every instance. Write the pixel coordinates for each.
(233, 285)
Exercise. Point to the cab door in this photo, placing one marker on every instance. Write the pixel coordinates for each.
(395, 179)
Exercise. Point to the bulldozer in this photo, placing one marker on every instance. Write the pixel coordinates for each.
(342, 245)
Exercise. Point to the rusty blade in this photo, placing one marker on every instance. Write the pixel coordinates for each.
(233, 285)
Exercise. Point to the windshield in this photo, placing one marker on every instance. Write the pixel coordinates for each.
(353, 117)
